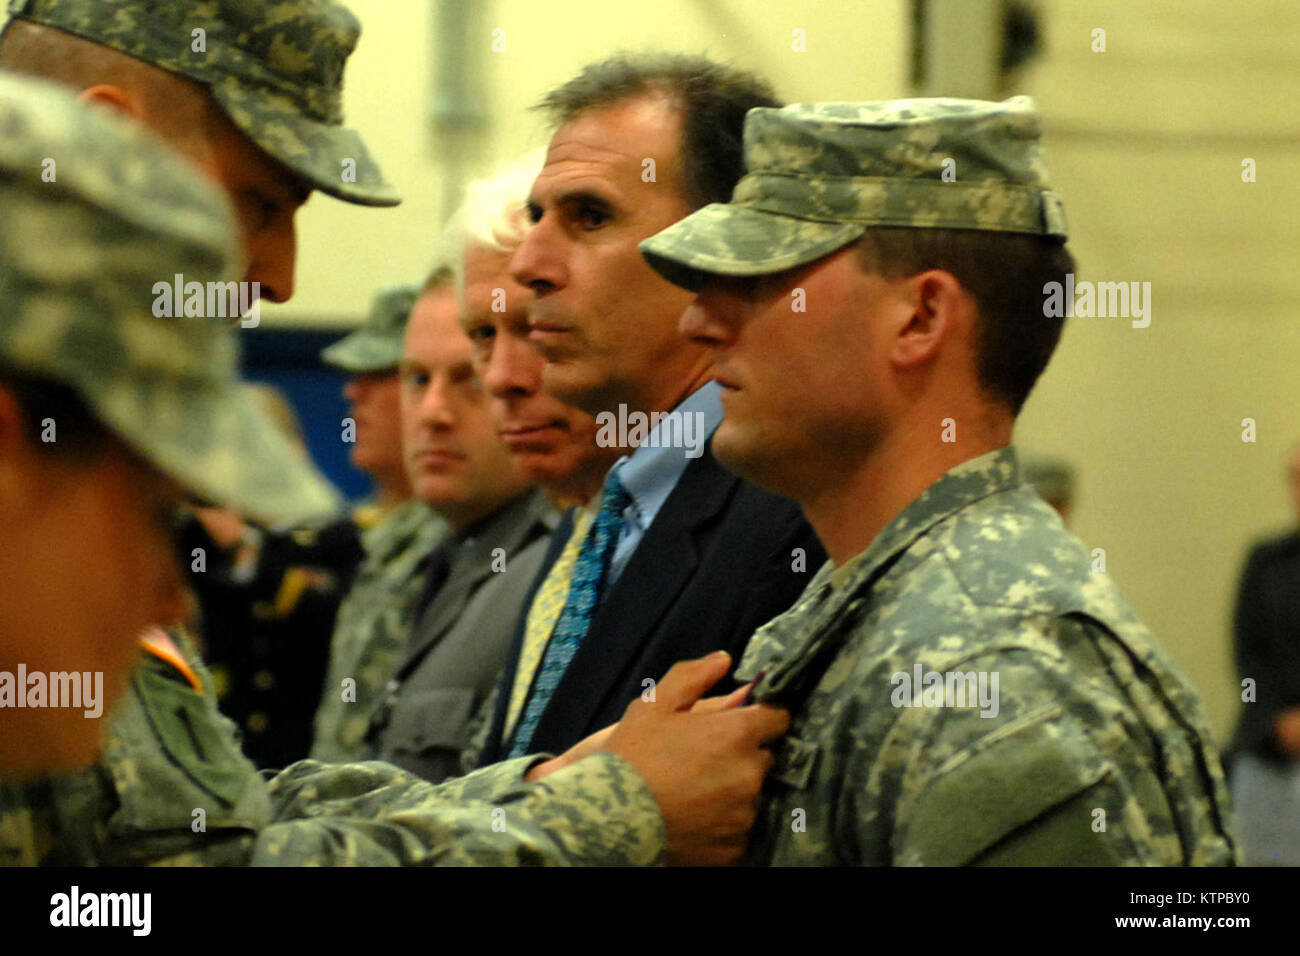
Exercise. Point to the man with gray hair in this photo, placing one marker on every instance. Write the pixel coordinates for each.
(459, 645)
(965, 688)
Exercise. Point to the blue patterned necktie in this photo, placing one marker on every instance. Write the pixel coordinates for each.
(584, 594)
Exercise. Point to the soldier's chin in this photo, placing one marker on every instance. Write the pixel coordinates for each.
(738, 447)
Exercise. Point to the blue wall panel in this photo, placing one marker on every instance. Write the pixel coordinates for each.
(289, 359)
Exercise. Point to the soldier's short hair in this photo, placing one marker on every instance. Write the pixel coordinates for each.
(713, 99)
(1005, 273)
(177, 106)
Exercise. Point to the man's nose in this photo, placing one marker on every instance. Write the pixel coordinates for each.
(272, 254)
(705, 321)
(435, 409)
(514, 368)
(536, 262)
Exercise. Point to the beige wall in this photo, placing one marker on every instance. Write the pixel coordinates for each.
(854, 50)
(1146, 142)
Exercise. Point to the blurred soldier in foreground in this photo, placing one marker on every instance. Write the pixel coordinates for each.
(1265, 761)
(108, 413)
(965, 689)
(218, 84)
(173, 785)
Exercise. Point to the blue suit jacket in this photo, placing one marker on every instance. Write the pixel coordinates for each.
(718, 561)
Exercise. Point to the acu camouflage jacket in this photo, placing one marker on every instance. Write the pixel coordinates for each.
(1087, 747)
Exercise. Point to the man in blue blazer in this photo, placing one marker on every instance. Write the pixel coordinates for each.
(674, 556)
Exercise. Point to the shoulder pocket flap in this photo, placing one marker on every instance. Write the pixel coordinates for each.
(180, 760)
(986, 796)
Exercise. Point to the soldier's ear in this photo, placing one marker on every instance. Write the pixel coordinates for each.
(115, 97)
(932, 302)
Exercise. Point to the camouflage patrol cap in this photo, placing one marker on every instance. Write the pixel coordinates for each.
(377, 345)
(818, 175)
(95, 213)
(274, 66)
(1052, 478)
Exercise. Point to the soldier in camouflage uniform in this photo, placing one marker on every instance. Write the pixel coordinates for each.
(251, 92)
(92, 211)
(965, 687)
(370, 356)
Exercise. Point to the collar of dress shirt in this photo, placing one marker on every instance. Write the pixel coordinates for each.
(651, 472)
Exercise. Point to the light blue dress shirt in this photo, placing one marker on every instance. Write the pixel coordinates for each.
(651, 473)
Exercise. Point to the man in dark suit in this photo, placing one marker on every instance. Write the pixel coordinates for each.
(675, 556)
(1264, 759)
(474, 583)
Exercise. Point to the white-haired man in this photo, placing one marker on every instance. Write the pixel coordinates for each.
(478, 584)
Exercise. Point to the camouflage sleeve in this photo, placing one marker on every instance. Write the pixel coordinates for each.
(595, 812)
(1085, 765)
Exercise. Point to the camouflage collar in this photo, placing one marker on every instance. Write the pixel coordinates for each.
(970, 481)
(836, 597)
(398, 529)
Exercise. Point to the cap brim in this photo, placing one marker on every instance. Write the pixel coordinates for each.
(332, 159)
(729, 240)
(216, 443)
(363, 351)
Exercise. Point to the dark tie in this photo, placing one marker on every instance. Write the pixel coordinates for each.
(584, 595)
(435, 576)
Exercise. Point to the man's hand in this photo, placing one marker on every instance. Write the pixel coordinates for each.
(600, 739)
(704, 768)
